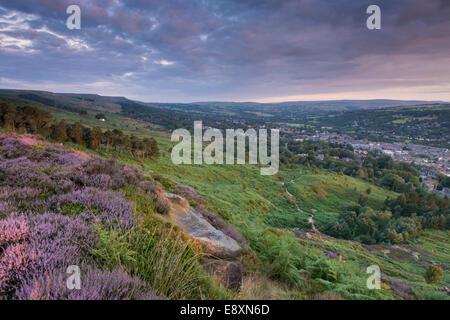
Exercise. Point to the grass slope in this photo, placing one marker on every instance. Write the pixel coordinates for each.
(267, 209)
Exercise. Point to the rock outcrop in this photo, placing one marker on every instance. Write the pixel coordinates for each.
(215, 244)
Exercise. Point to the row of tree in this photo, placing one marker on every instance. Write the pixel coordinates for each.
(33, 120)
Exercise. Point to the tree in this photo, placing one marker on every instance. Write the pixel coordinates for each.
(75, 133)
(34, 119)
(108, 138)
(154, 150)
(8, 116)
(93, 138)
(60, 132)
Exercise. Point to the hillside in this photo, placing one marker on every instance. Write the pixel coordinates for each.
(167, 113)
(278, 221)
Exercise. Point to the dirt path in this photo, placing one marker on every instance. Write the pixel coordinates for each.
(310, 218)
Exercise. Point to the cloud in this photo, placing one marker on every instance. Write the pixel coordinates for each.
(164, 62)
(228, 49)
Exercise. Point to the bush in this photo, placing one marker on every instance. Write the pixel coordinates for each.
(96, 285)
(318, 190)
(323, 269)
(433, 274)
(362, 201)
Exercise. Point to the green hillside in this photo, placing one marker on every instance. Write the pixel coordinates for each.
(268, 217)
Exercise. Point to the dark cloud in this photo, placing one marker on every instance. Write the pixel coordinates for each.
(225, 49)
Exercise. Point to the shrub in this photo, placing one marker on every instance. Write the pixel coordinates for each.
(109, 174)
(318, 190)
(16, 262)
(162, 204)
(322, 269)
(154, 189)
(113, 210)
(13, 230)
(95, 285)
(433, 274)
(363, 198)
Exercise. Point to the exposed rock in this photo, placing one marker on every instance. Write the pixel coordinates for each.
(213, 242)
(217, 222)
(226, 273)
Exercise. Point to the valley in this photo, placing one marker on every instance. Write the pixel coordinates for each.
(286, 219)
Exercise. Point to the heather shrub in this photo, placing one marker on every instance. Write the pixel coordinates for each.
(16, 261)
(191, 195)
(12, 148)
(53, 155)
(433, 274)
(13, 230)
(22, 199)
(120, 175)
(112, 210)
(61, 240)
(22, 173)
(6, 207)
(18, 193)
(95, 285)
(401, 289)
(16, 255)
(100, 181)
(35, 244)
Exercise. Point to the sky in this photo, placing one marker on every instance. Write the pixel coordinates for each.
(228, 50)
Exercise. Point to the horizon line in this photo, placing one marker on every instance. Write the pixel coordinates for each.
(231, 101)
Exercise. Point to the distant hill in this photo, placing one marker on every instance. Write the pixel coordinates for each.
(215, 114)
(112, 104)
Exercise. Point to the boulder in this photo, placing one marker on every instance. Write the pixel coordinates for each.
(226, 273)
(213, 242)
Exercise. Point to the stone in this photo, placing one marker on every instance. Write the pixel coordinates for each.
(212, 241)
(226, 273)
